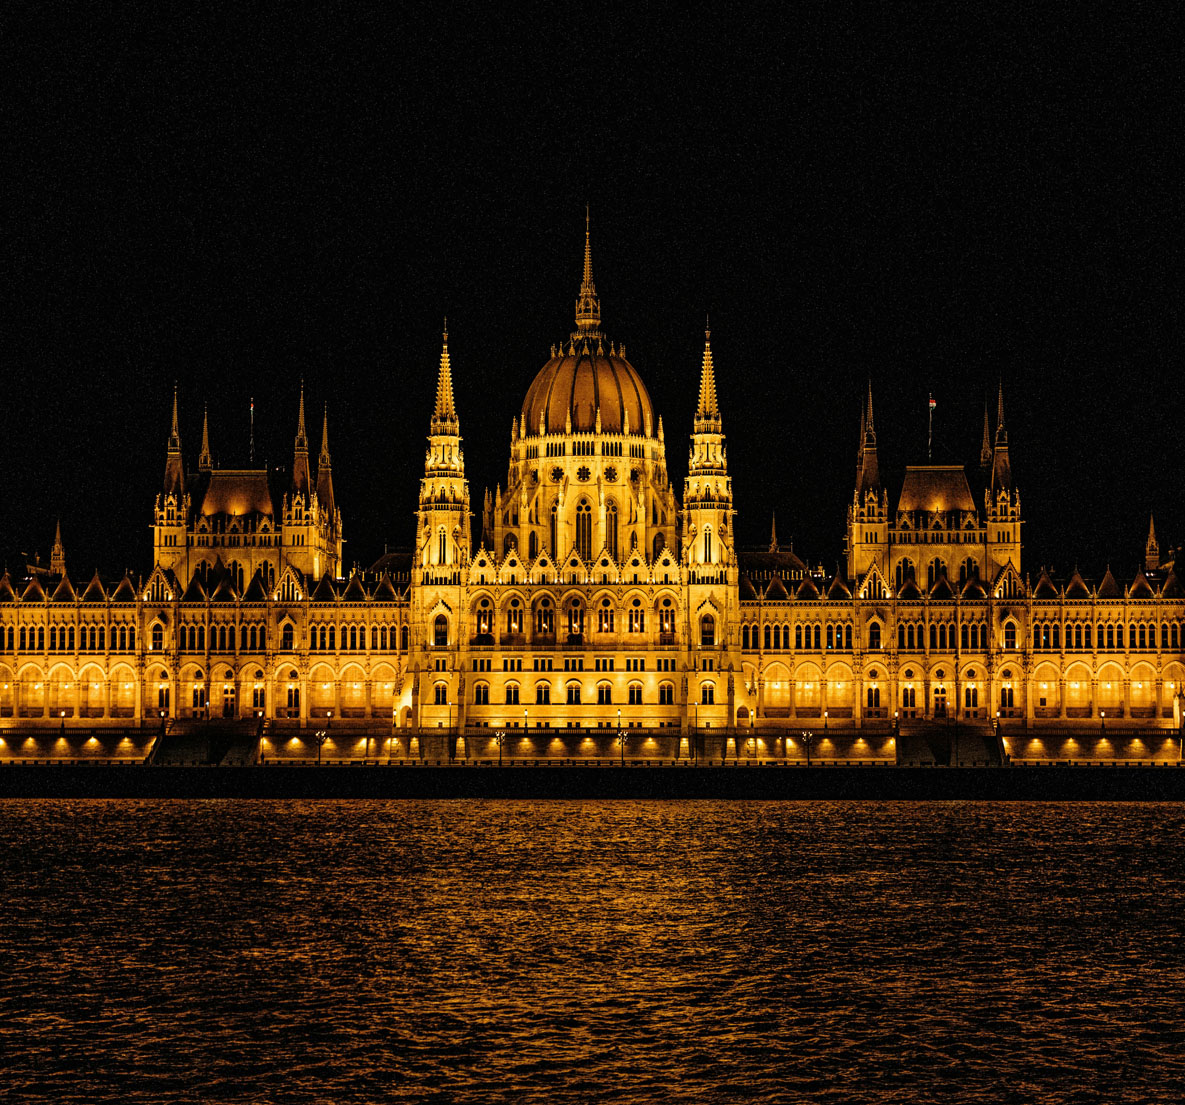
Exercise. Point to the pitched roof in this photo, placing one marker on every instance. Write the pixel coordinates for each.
(747, 591)
(33, 592)
(324, 591)
(237, 492)
(935, 488)
(125, 592)
(776, 591)
(1109, 589)
(1076, 588)
(910, 589)
(7, 594)
(974, 589)
(1172, 588)
(385, 591)
(1045, 588)
(256, 592)
(225, 591)
(838, 589)
(1141, 588)
(942, 589)
(195, 592)
(807, 590)
(64, 592)
(94, 590)
(354, 592)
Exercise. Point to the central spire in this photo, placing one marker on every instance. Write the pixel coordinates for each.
(707, 410)
(588, 306)
(445, 414)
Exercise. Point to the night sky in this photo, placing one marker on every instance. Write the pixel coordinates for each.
(238, 201)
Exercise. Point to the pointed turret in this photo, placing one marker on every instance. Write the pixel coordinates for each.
(773, 533)
(301, 477)
(1152, 547)
(444, 416)
(985, 450)
(57, 557)
(870, 473)
(588, 306)
(707, 494)
(707, 411)
(1001, 466)
(325, 467)
(204, 461)
(174, 467)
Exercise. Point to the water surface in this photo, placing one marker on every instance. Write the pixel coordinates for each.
(336, 951)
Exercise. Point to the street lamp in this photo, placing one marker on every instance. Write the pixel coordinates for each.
(500, 739)
(824, 721)
(1102, 721)
(807, 736)
(621, 741)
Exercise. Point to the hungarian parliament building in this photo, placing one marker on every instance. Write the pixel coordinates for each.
(589, 596)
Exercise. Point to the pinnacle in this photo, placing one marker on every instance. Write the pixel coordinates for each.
(302, 437)
(324, 457)
(445, 410)
(707, 408)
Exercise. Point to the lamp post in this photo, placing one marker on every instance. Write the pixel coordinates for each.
(621, 741)
(1102, 721)
(500, 739)
(695, 733)
(807, 736)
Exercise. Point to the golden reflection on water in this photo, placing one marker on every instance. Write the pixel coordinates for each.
(590, 951)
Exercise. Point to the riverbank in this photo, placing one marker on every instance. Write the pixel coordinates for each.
(1054, 783)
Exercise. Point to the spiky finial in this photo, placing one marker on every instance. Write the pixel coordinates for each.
(57, 556)
(205, 462)
(985, 450)
(323, 458)
(302, 437)
(773, 532)
(175, 429)
(588, 307)
(707, 410)
(445, 412)
(869, 425)
(1001, 432)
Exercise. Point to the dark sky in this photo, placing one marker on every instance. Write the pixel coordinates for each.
(236, 201)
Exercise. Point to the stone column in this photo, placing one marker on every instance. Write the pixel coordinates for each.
(1061, 698)
(1093, 707)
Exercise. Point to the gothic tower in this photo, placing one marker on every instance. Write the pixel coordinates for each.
(1002, 502)
(868, 512)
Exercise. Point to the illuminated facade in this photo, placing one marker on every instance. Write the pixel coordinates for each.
(594, 600)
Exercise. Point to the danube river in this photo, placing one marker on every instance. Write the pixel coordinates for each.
(254, 951)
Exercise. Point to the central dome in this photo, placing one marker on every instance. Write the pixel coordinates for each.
(583, 381)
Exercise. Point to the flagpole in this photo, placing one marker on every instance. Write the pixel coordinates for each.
(930, 431)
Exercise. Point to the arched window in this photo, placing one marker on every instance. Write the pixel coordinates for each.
(440, 631)
(933, 637)
(904, 572)
(542, 694)
(533, 545)
(909, 637)
(900, 635)
(666, 694)
(1143, 636)
(830, 637)
(41, 638)
(555, 549)
(286, 642)
(23, 639)
(333, 638)
(797, 637)
(440, 695)
(1175, 639)
(158, 637)
(441, 547)
(745, 636)
(707, 631)
(1131, 636)
(511, 694)
(874, 635)
(707, 694)
(1010, 635)
(935, 570)
(708, 545)
(847, 638)
(604, 694)
(818, 645)
(658, 545)
(1086, 637)
(102, 638)
(584, 530)
(374, 637)
(611, 529)
(573, 694)
(403, 635)
(777, 637)
(963, 637)
(481, 694)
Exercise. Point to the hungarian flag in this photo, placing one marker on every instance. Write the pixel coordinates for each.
(932, 403)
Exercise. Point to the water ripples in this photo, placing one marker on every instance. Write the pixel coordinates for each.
(171, 951)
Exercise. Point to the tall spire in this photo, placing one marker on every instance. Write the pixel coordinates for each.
(323, 459)
(301, 476)
(773, 532)
(707, 410)
(588, 306)
(985, 450)
(1152, 547)
(302, 437)
(869, 427)
(1001, 465)
(1001, 432)
(57, 557)
(868, 474)
(175, 432)
(444, 417)
(174, 467)
(205, 462)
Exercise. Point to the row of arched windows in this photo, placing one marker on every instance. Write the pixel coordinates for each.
(252, 638)
(352, 638)
(942, 636)
(776, 638)
(573, 691)
(1047, 636)
(90, 638)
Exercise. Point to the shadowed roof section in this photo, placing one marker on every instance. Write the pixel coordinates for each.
(238, 493)
(935, 488)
